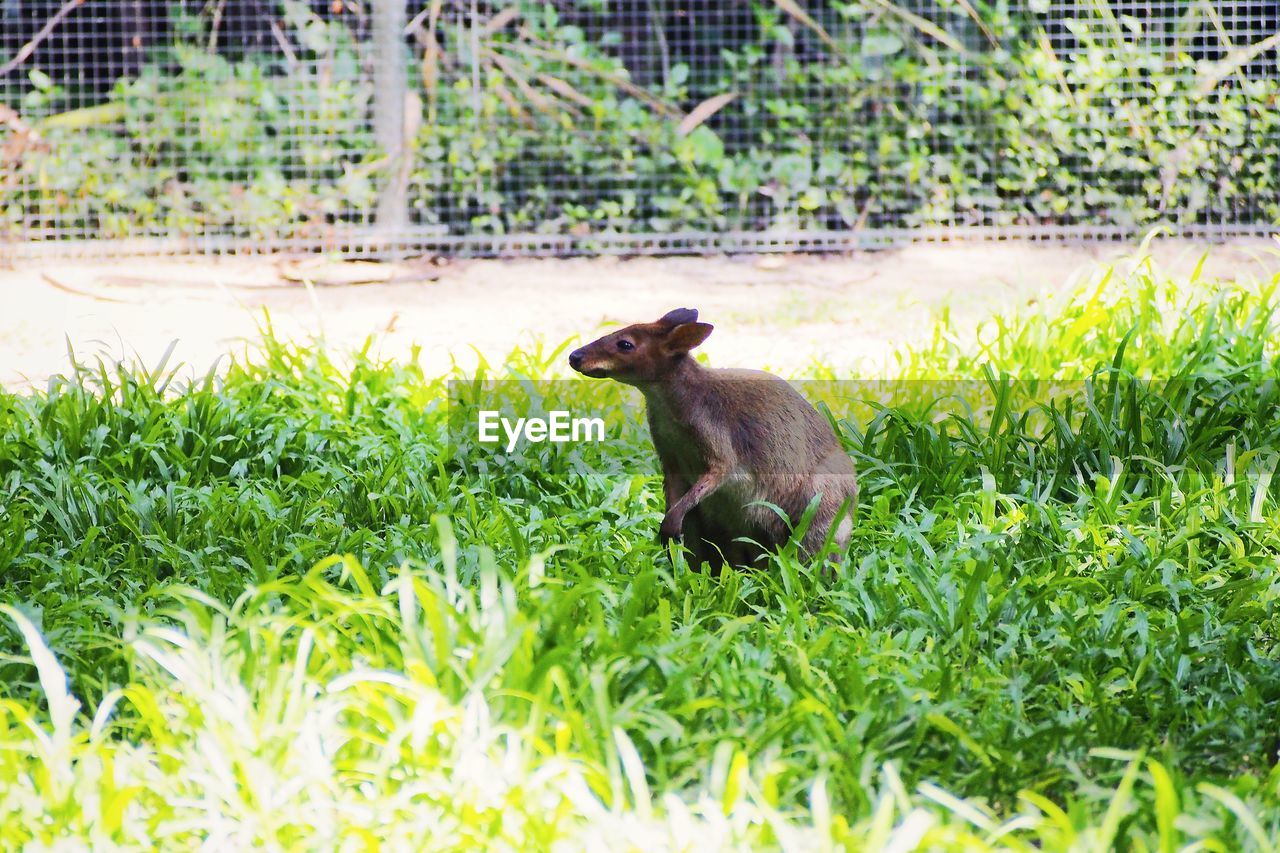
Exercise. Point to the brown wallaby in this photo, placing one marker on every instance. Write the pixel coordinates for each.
(728, 440)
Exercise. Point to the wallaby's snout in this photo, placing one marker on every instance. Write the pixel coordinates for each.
(583, 361)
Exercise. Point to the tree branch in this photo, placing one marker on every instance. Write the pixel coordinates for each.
(49, 26)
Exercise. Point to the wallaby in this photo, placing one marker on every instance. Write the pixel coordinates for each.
(728, 440)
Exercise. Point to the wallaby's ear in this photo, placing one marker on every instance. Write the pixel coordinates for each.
(685, 337)
(671, 319)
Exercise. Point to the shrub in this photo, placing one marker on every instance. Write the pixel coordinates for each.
(866, 117)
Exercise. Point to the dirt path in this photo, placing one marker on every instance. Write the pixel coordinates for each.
(778, 312)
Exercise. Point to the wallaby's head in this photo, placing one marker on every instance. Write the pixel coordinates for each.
(643, 352)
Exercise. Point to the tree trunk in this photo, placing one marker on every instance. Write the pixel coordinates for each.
(390, 86)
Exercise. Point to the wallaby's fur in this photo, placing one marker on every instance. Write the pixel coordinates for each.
(728, 439)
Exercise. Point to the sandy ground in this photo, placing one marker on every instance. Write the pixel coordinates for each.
(774, 311)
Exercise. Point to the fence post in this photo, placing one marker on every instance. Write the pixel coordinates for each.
(390, 89)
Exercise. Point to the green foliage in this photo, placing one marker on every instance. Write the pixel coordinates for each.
(1165, 150)
(199, 144)
(1055, 629)
(869, 115)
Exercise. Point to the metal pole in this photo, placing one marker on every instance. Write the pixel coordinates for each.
(390, 88)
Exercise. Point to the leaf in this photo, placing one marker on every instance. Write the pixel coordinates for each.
(704, 111)
(40, 80)
(977, 19)
(795, 10)
(564, 90)
(85, 117)
(1166, 806)
(53, 680)
(1241, 810)
(1260, 491)
(500, 20)
(1118, 808)
(881, 44)
(734, 781)
(633, 768)
(701, 147)
(924, 25)
(946, 724)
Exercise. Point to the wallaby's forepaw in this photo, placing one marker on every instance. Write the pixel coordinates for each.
(669, 530)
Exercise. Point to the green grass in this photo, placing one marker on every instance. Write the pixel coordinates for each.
(1056, 628)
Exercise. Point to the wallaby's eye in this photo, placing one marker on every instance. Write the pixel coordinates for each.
(626, 346)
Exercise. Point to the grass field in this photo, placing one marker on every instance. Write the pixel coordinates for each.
(279, 609)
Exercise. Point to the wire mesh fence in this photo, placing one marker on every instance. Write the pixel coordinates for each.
(513, 126)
